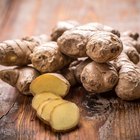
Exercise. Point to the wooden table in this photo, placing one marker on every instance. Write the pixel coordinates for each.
(103, 117)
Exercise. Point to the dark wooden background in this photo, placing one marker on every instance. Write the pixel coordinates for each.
(103, 117)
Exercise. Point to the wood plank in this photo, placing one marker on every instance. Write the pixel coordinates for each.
(7, 99)
(102, 117)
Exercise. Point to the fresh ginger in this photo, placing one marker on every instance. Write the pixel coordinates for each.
(61, 27)
(64, 117)
(40, 109)
(97, 43)
(100, 44)
(73, 72)
(128, 87)
(60, 114)
(17, 52)
(47, 108)
(93, 76)
(50, 82)
(129, 46)
(20, 78)
(103, 47)
(40, 98)
(98, 78)
(48, 58)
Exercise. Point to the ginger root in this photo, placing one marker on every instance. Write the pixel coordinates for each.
(103, 47)
(129, 46)
(20, 78)
(100, 44)
(73, 72)
(128, 87)
(61, 27)
(50, 82)
(48, 58)
(98, 78)
(17, 52)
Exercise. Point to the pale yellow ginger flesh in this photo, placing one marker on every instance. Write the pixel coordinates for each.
(50, 82)
(41, 106)
(46, 110)
(64, 117)
(40, 98)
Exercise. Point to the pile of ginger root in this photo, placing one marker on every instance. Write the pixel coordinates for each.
(93, 55)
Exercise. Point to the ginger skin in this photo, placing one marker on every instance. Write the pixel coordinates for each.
(17, 52)
(61, 27)
(48, 58)
(98, 78)
(100, 44)
(95, 77)
(128, 86)
(129, 46)
(20, 78)
(73, 72)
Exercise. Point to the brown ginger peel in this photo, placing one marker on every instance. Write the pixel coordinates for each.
(61, 27)
(99, 43)
(48, 58)
(17, 52)
(20, 77)
(98, 78)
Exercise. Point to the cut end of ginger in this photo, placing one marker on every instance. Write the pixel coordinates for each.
(64, 117)
(40, 98)
(50, 82)
(41, 106)
(46, 111)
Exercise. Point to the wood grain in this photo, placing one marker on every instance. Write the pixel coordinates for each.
(103, 117)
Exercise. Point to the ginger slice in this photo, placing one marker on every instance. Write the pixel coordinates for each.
(64, 117)
(46, 111)
(50, 82)
(41, 106)
(40, 98)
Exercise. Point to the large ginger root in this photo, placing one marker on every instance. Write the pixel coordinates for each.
(98, 78)
(61, 27)
(48, 58)
(128, 87)
(99, 44)
(103, 47)
(17, 52)
(50, 82)
(129, 46)
(20, 78)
